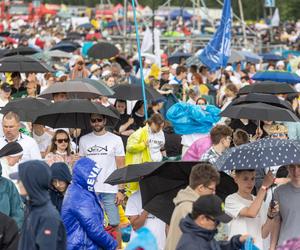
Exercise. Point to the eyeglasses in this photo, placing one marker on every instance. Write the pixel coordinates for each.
(80, 63)
(94, 120)
(211, 189)
(62, 140)
(213, 220)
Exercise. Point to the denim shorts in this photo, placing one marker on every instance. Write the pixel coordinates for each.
(111, 210)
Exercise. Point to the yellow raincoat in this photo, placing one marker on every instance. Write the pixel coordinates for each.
(137, 152)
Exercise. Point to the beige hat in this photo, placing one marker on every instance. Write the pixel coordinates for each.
(165, 70)
(94, 67)
(276, 129)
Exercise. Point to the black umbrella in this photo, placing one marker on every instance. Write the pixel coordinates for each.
(26, 108)
(177, 57)
(75, 89)
(264, 98)
(100, 85)
(160, 183)
(268, 87)
(259, 111)
(73, 113)
(22, 64)
(263, 153)
(74, 36)
(103, 50)
(134, 92)
(65, 46)
(122, 61)
(21, 51)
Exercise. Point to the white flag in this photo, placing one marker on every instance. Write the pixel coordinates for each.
(157, 46)
(147, 41)
(275, 19)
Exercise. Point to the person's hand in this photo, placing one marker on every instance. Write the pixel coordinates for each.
(130, 121)
(273, 209)
(243, 238)
(119, 198)
(259, 132)
(268, 180)
(75, 157)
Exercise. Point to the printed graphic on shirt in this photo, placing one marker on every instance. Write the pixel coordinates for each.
(98, 150)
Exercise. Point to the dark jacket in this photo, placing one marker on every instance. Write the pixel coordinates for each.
(59, 171)
(10, 200)
(195, 237)
(9, 235)
(42, 228)
(82, 213)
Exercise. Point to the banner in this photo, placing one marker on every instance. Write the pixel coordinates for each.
(216, 53)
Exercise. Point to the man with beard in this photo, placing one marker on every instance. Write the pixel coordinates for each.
(107, 150)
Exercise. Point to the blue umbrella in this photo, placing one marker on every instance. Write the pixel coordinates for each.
(66, 47)
(285, 53)
(277, 76)
(175, 58)
(176, 13)
(263, 153)
(271, 57)
(251, 57)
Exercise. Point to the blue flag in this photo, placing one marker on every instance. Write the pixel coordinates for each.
(216, 53)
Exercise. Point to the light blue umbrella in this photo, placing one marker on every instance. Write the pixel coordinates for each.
(277, 76)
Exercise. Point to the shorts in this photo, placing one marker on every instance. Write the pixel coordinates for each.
(110, 208)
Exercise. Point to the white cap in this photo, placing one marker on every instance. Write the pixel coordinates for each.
(94, 67)
(229, 68)
(174, 66)
(280, 63)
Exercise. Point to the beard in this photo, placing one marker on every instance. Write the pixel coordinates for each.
(98, 128)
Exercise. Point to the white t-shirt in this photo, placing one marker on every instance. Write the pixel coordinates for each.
(242, 225)
(30, 148)
(156, 143)
(102, 149)
(43, 141)
(155, 225)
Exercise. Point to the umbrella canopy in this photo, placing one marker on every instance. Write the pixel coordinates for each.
(73, 113)
(58, 54)
(26, 108)
(181, 12)
(263, 153)
(86, 26)
(236, 56)
(134, 92)
(160, 183)
(177, 57)
(75, 89)
(251, 57)
(271, 57)
(65, 46)
(264, 98)
(21, 51)
(103, 50)
(74, 36)
(99, 85)
(277, 76)
(22, 64)
(122, 61)
(259, 111)
(268, 87)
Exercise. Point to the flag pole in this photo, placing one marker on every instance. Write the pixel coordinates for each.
(140, 59)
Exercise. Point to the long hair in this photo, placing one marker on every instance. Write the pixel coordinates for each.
(53, 146)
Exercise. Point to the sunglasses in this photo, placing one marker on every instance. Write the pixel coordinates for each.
(62, 140)
(80, 63)
(213, 220)
(94, 120)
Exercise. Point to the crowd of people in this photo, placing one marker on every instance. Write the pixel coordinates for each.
(53, 193)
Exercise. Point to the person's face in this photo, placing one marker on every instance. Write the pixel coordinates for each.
(13, 160)
(5, 94)
(22, 189)
(62, 141)
(80, 65)
(38, 129)
(226, 141)
(16, 81)
(294, 172)
(97, 122)
(206, 190)
(121, 106)
(31, 88)
(10, 128)
(156, 128)
(60, 186)
(207, 222)
(115, 71)
(245, 181)
(141, 110)
(165, 76)
(110, 81)
(201, 102)
(58, 97)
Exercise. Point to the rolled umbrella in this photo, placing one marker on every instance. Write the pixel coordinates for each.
(263, 98)
(134, 92)
(259, 111)
(75, 89)
(73, 113)
(263, 153)
(27, 108)
(25, 51)
(277, 76)
(160, 183)
(22, 64)
(99, 85)
(103, 50)
(268, 87)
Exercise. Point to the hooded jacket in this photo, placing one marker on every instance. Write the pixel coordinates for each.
(42, 228)
(183, 206)
(59, 171)
(82, 213)
(195, 237)
(10, 200)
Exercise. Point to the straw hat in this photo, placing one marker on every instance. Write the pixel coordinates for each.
(276, 129)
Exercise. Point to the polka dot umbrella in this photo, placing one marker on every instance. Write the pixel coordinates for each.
(263, 153)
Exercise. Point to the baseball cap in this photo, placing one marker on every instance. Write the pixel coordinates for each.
(6, 87)
(94, 67)
(211, 205)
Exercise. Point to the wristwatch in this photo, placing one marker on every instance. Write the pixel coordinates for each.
(264, 188)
